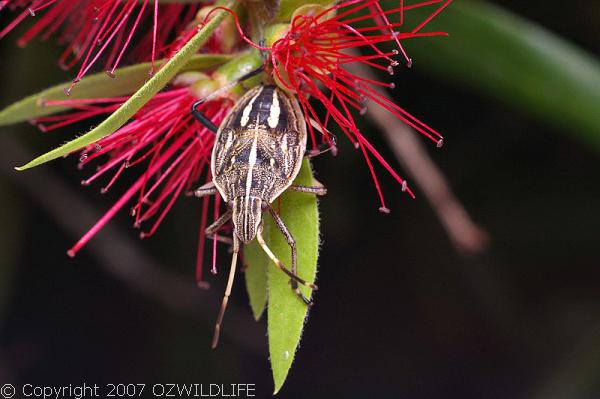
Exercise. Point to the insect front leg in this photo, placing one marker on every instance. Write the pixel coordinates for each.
(217, 224)
(207, 189)
(211, 231)
(292, 243)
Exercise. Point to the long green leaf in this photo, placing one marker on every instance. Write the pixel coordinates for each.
(128, 80)
(287, 313)
(137, 100)
(509, 57)
(257, 264)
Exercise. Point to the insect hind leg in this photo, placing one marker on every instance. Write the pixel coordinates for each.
(293, 274)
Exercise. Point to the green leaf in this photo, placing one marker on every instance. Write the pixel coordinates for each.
(509, 57)
(287, 313)
(139, 98)
(257, 263)
(128, 80)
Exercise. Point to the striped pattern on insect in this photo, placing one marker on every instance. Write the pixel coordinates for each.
(257, 154)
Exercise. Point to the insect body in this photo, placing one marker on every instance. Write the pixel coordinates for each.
(257, 153)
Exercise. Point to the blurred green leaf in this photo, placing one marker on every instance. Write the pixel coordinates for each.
(287, 312)
(139, 98)
(255, 274)
(99, 85)
(516, 60)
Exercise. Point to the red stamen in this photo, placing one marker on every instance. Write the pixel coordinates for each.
(314, 54)
(177, 147)
(101, 29)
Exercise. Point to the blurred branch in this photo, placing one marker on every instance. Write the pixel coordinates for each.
(121, 256)
(466, 236)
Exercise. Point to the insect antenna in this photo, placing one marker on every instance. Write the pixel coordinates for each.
(203, 119)
(236, 249)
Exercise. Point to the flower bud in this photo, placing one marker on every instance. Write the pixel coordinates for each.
(204, 87)
(275, 32)
(225, 37)
(313, 10)
(189, 78)
(287, 8)
(236, 68)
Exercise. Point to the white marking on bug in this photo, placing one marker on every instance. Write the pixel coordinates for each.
(246, 112)
(227, 147)
(251, 163)
(274, 112)
(284, 149)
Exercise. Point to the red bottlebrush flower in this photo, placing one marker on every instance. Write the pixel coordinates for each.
(311, 58)
(102, 29)
(163, 139)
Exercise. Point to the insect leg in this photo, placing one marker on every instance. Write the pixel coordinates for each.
(220, 238)
(289, 238)
(210, 189)
(316, 190)
(294, 279)
(207, 189)
(236, 249)
(217, 224)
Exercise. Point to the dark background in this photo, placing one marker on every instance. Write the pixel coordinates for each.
(400, 312)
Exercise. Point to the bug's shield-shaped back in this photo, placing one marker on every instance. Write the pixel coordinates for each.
(259, 147)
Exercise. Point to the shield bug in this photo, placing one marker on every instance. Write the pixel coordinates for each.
(257, 154)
